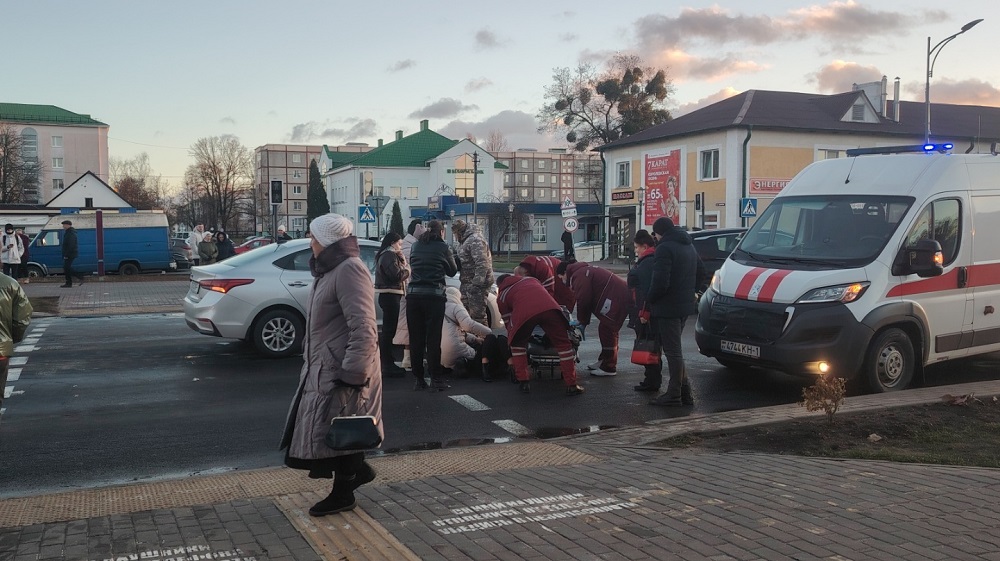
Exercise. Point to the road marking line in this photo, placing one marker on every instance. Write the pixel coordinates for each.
(469, 403)
(13, 374)
(25, 348)
(513, 427)
(18, 360)
(29, 341)
(7, 390)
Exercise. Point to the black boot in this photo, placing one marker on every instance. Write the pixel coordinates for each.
(439, 384)
(525, 387)
(686, 397)
(364, 475)
(340, 499)
(486, 372)
(421, 384)
(390, 370)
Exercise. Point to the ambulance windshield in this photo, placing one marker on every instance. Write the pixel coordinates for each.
(824, 231)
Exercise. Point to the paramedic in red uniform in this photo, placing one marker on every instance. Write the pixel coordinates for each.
(601, 293)
(543, 268)
(524, 304)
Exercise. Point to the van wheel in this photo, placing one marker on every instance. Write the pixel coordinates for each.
(128, 269)
(889, 362)
(278, 333)
(34, 271)
(734, 365)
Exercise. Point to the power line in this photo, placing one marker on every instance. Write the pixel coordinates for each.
(150, 145)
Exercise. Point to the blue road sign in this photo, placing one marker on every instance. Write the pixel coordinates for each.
(366, 215)
(748, 208)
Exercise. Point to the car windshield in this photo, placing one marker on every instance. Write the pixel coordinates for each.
(823, 231)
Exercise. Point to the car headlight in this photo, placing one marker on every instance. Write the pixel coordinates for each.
(843, 293)
(716, 281)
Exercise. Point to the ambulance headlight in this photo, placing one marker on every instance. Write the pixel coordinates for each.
(844, 293)
(716, 281)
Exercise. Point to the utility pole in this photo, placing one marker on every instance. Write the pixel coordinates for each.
(475, 186)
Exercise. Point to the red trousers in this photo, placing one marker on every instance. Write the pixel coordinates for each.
(608, 332)
(553, 323)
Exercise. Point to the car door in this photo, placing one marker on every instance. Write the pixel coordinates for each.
(296, 277)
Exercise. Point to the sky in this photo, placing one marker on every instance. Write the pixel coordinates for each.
(165, 74)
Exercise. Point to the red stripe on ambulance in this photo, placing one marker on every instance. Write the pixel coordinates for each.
(771, 285)
(743, 290)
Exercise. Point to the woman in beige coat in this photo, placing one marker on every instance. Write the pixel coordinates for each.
(341, 375)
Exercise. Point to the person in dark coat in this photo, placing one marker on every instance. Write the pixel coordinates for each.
(677, 272)
(567, 241)
(543, 268)
(22, 271)
(225, 246)
(524, 304)
(70, 251)
(639, 280)
(340, 375)
(603, 294)
(391, 273)
(431, 260)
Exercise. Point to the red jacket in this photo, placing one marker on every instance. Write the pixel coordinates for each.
(520, 299)
(543, 268)
(598, 292)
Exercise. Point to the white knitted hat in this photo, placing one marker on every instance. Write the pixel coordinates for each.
(330, 229)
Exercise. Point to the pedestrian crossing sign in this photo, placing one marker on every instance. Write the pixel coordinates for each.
(748, 208)
(366, 215)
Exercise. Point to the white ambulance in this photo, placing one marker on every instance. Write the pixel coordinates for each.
(870, 266)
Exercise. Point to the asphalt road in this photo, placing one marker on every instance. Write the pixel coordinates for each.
(115, 399)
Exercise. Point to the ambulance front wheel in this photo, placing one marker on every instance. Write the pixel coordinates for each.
(889, 362)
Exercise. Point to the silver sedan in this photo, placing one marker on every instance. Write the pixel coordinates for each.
(261, 296)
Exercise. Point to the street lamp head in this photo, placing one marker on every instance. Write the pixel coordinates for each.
(510, 208)
(970, 25)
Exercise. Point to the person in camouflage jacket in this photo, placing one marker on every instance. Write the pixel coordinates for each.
(475, 269)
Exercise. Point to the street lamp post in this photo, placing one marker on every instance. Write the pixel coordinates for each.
(510, 226)
(930, 71)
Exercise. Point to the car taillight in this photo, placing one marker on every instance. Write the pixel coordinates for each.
(223, 285)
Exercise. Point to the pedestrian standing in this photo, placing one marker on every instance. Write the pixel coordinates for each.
(431, 260)
(639, 280)
(341, 375)
(524, 305)
(283, 234)
(70, 251)
(22, 272)
(677, 272)
(413, 233)
(567, 241)
(225, 246)
(603, 294)
(475, 264)
(208, 251)
(391, 273)
(11, 252)
(193, 239)
(15, 315)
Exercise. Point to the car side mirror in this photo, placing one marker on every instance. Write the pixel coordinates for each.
(924, 259)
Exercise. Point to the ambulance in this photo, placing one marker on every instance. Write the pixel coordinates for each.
(869, 268)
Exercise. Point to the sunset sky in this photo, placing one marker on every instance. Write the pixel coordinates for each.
(165, 74)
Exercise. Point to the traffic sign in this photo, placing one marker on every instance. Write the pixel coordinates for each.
(366, 215)
(567, 212)
(570, 224)
(568, 203)
(748, 207)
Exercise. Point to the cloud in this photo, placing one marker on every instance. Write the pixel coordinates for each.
(477, 84)
(964, 92)
(682, 65)
(444, 108)
(520, 129)
(326, 131)
(840, 76)
(402, 65)
(227, 121)
(568, 37)
(486, 39)
(686, 108)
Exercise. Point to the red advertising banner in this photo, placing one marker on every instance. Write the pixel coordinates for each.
(663, 193)
(767, 185)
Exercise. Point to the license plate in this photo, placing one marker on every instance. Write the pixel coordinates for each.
(751, 351)
(195, 287)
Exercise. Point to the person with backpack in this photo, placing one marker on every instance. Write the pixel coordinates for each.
(12, 250)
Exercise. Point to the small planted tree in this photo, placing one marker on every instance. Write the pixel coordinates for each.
(826, 395)
(317, 204)
(396, 221)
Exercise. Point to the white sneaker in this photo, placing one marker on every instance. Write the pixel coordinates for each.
(602, 372)
(595, 366)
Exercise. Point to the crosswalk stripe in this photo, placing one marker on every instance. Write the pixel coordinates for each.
(18, 360)
(513, 427)
(13, 374)
(470, 403)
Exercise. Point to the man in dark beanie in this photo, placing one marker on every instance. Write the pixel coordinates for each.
(677, 272)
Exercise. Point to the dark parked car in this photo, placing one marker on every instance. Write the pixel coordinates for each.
(714, 246)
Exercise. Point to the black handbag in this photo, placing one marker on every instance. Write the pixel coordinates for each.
(354, 432)
(645, 350)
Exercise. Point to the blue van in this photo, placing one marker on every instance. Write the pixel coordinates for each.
(133, 243)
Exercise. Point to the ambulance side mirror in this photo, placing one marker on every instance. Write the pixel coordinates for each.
(924, 259)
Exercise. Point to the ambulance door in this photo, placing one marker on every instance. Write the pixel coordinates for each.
(984, 274)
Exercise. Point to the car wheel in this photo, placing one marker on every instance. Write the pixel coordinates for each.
(34, 271)
(734, 365)
(278, 333)
(128, 269)
(889, 362)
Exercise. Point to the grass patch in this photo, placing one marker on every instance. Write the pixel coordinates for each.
(939, 433)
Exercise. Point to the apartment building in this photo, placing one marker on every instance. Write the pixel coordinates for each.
(67, 144)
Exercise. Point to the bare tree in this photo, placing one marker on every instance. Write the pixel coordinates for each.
(496, 142)
(502, 223)
(135, 181)
(19, 174)
(223, 172)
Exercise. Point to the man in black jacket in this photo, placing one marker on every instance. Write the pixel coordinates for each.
(70, 250)
(677, 272)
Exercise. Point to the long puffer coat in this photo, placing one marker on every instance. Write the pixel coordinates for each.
(457, 327)
(341, 345)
